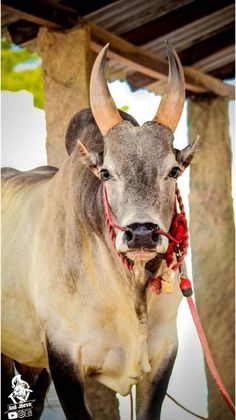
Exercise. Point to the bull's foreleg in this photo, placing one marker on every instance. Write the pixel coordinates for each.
(152, 390)
(7, 373)
(69, 385)
(39, 381)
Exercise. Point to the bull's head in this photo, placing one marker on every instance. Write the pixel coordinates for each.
(139, 165)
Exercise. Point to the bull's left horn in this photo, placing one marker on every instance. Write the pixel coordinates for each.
(172, 102)
(103, 107)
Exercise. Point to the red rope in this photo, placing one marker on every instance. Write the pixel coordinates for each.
(178, 234)
(178, 243)
(111, 226)
(186, 288)
(208, 356)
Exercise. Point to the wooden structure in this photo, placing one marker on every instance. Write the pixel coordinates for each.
(201, 31)
(203, 34)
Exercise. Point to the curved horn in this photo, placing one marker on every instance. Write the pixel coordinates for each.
(103, 107)
(172, 102)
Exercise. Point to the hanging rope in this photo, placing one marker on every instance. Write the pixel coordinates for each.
(208, 356)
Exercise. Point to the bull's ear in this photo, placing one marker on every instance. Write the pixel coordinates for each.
(89, 158)
(185, 156)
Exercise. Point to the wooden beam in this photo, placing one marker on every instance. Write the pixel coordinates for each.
(7, 18)
(138, 80)
(52, 15)
(193, 33)
(220, 46)
(85, 7)
(120, 50)
(216, 60)
(153, 66)
(202, 49)
(53, 18)
(124, 15)
(220, 65)
(225, 72)
(176, 20)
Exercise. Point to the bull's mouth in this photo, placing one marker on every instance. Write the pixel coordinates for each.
(141, 254)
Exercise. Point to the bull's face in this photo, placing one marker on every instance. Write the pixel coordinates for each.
(137, 169)
(140, 166)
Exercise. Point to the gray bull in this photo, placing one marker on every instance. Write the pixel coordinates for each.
(70, 306)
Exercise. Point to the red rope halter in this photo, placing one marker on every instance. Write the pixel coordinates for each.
(177, 235)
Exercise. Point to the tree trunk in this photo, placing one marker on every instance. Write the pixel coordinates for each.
(212, 240)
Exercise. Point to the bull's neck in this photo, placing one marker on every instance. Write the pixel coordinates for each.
(79, 195)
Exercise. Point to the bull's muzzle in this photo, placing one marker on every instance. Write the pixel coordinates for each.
(141, 236)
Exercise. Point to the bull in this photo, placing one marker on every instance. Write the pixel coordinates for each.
(70, 305)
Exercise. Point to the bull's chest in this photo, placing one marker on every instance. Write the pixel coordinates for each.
(116, 351)
(119, 351)
(106, 338)
(106, 326)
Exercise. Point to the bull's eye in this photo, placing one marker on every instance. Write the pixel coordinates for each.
(105, 174)
(174, 173)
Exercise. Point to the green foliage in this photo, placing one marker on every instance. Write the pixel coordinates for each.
(125, 108)
(29, 79)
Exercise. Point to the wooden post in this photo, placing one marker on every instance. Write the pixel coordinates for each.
(212, 240)
(66, 70)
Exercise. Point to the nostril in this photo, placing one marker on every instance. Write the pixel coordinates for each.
(128, 235)
(155, 237)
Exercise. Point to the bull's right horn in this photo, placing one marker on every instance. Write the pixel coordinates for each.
(103, 107)
(172, 102)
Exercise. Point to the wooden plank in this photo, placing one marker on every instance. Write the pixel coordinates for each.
(202, 49)
(222, 54)
(220, 64)
(217, 59)
(153, 66)
(139, 80)
(196, 32)
(225, 72)
(125, 15)
(85, 7)
(194, 42)
(175, 20)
